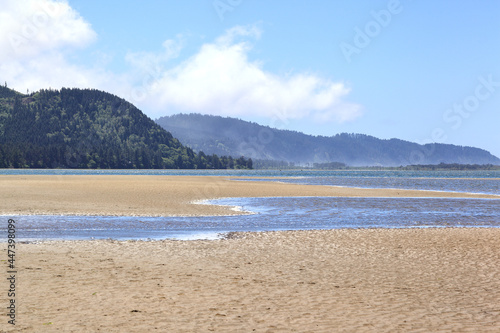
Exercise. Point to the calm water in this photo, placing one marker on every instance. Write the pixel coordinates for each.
(467, 185)
(288, 213)
(262, 173)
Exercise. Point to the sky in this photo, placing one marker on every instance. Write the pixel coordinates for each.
(423, 71)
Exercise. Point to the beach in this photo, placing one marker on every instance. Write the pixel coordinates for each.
(344, 280)
(371, 280)
(160, 195)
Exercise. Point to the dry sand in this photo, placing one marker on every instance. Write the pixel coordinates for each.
(372, 280)
(158, 195)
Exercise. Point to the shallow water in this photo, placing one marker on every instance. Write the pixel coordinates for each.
(465, 185)
(263, 173)
(288, 213)
(271, 214)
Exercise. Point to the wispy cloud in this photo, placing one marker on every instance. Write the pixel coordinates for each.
(155, 61)
(221, 79)
(38, 39)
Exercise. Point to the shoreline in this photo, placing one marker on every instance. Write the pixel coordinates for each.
(139, 195)
(358, 280)
(430, 279)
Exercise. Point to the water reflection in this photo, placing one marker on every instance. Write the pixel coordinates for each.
(272, 214)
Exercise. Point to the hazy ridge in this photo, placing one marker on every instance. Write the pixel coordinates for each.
(234, 137)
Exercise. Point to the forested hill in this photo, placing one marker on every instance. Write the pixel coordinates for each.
(85, 128)
(235, 137)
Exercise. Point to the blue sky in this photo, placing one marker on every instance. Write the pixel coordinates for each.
(423, 71)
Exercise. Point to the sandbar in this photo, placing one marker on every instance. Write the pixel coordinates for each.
(132, 195)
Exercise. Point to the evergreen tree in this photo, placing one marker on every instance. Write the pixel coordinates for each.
(87, 128)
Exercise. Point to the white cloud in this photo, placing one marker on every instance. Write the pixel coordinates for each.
(38, 39)
(52, 69)
(32, 27)
(220, 79)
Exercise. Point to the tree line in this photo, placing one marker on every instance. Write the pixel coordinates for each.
(87, 128)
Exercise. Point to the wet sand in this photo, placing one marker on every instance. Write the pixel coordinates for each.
(371, 280)
(159, 195)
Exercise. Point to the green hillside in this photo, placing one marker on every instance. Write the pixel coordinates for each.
(87, 128)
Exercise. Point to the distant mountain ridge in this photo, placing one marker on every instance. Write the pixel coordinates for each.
(234, 137)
